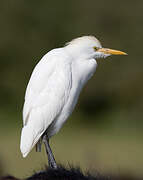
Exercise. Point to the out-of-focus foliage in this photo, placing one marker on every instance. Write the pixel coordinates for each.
(29, 29)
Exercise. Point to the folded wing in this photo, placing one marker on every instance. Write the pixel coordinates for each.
(47, 93)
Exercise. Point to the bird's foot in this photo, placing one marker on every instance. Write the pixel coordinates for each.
(52, 163)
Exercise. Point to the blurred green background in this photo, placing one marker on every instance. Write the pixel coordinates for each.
(105, 130)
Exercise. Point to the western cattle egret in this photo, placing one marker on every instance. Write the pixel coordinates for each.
(54, 88)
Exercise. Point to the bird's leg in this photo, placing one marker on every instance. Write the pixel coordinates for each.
(38, 146)
(51, 159)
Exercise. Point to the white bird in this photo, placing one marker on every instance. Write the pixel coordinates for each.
(54, 88)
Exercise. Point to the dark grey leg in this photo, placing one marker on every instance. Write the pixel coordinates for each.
(51, 159)
(38, 146)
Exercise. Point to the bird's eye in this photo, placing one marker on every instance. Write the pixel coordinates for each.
(96, 48)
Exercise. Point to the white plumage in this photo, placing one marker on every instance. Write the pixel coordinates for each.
(54, 88)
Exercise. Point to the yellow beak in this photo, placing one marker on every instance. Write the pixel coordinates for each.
(111, 51)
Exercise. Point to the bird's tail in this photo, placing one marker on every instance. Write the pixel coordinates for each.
(28, 139)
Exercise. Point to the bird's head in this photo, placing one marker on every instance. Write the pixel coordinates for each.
(90, 47)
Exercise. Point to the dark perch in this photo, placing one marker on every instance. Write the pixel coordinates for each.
(61, 173)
